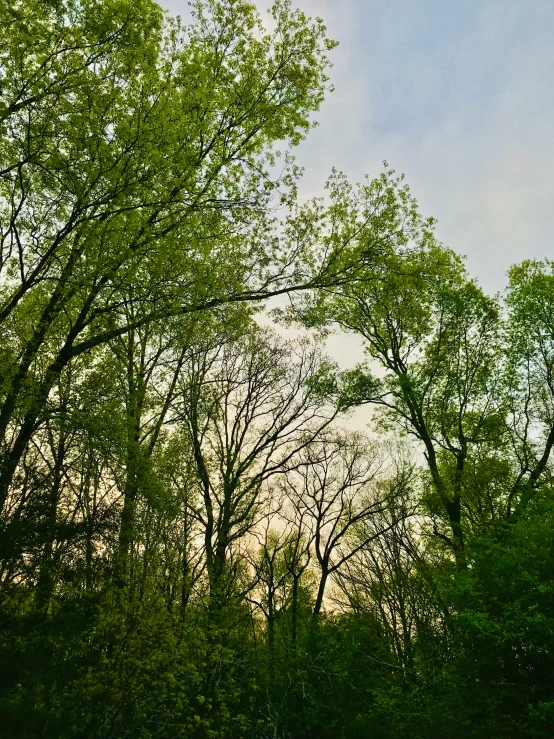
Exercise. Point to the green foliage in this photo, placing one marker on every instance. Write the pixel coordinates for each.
(190, 545)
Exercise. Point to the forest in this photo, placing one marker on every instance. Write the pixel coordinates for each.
(195, 538)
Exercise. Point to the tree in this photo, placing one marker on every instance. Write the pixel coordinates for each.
(249, 410)
(133, 150)
(530, 352)
(191, 544)
(435, 336)
(337, 489)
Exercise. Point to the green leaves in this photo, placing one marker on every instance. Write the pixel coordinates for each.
(358, 387)
(135, 156)
(152, 435)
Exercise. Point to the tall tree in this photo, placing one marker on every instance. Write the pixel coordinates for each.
(133, 151)
(340, 487)
(248, 409)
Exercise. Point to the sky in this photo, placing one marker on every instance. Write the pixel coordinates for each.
(459, 96)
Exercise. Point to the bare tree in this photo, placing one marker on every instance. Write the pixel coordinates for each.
(340, 489)
(248, 409)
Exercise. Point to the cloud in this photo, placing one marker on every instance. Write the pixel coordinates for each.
(458, 96)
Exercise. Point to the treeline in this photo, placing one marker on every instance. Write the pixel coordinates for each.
(194, 543)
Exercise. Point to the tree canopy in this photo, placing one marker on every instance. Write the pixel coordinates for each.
(193, 540)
